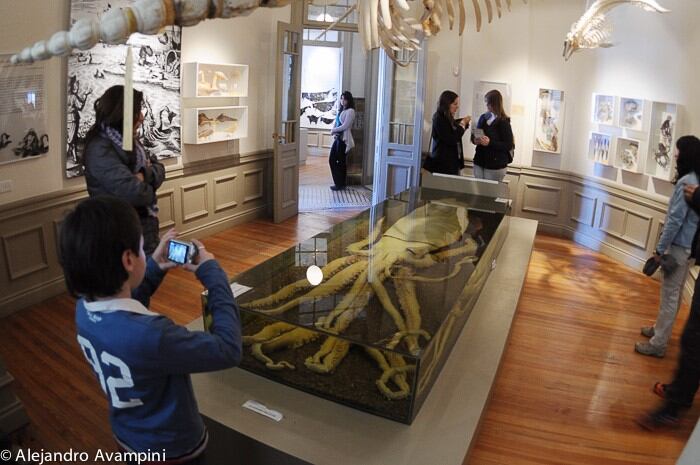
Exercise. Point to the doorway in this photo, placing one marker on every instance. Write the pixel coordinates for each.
(333, 61)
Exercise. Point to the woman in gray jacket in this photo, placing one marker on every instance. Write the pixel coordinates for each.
(109, 170)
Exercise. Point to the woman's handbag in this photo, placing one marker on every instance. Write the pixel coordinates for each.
(429, 164)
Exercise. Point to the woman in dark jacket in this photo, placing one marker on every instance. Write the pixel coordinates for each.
(132, 176)
(494, 149)
(447, 155)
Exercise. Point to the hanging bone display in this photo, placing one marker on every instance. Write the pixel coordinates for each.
(593, 30)
(382, 23)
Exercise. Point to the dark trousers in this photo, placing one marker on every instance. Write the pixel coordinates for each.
(338, 162)
(685, 384)
(151, 238)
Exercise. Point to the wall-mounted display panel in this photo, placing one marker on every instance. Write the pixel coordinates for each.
(23, 115)
(627, 154)
(549, 121)
(600, 148)
(205, 125)
(604, 109)
(215, 80)
(664, 121)
(631, 115)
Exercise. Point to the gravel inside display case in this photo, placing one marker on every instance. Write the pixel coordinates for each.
(397, 284)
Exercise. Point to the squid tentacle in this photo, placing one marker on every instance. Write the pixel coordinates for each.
(330, 270)
(332, 286)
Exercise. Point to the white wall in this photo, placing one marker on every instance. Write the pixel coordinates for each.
(653, 58)
(248, 40)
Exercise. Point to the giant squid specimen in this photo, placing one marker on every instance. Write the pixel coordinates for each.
(415, 242)
(382, 23)
(592, 30)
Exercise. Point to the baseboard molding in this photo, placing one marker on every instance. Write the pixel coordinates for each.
(30, 296)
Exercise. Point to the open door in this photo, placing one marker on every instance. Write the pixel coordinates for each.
(397, 156)
(286, 135)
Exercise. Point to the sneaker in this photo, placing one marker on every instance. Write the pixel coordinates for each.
(646, 348)
(648, 331)
(335, 188)
(659, 419)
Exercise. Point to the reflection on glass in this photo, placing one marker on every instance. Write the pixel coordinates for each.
(331, 13)
(377, 330)
(403, 103)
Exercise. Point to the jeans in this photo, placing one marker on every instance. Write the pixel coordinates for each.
(492, 175)
(671, 291)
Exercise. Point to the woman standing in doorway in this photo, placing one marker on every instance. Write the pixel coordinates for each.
(446, 153)
(343, 142)
(494, 149)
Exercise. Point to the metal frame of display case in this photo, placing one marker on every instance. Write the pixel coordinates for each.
(375, 328)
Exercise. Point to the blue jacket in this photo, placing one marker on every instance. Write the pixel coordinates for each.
(143, 360)
(681, 221)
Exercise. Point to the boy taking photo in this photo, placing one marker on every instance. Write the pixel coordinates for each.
(142, 360)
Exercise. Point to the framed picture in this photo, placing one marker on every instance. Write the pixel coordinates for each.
(628, 156)
(600, 148)
(664, 122)
(549, 121)
(631, 113)
(23, 115)
(604, 109)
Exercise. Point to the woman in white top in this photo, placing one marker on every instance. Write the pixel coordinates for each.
(343, 140)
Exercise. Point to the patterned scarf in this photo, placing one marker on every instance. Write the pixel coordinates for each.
(116, 138)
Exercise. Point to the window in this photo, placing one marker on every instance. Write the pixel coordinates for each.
(325, 15)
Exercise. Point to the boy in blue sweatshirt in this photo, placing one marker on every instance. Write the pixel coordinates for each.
(142, 360)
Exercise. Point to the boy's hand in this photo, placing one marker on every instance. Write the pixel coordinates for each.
(160, 255)
(203, 255)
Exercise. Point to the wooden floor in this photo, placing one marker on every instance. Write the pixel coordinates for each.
(569, 387)
(316, 171)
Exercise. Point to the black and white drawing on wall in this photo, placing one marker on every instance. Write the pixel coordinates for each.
(156, 74)
(631, 113)
(549, 122)
(599, 147)
(320, 86)
(23, 126)
(604, 109)
(664, 121)
(628, 154)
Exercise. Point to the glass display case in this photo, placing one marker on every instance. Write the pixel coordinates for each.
(366, 313)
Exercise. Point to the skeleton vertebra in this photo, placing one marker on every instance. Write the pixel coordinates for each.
(382, 23)
(592, 30)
